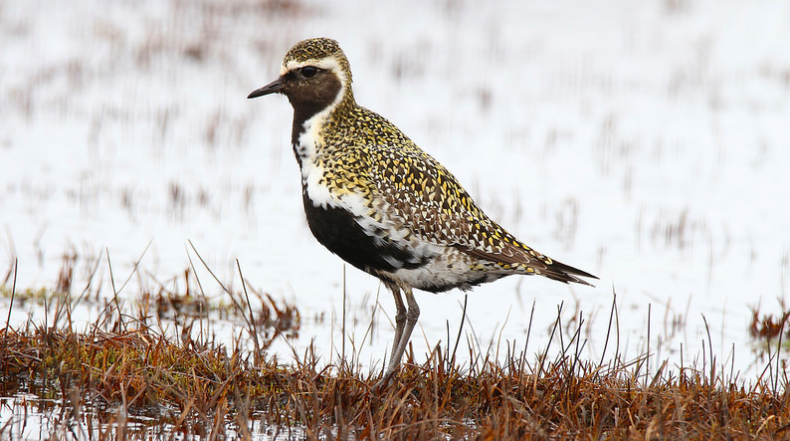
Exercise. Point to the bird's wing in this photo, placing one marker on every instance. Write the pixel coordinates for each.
(438, 209)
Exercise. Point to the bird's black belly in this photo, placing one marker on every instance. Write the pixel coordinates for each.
(339, 232)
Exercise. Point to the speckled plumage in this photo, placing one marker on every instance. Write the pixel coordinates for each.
(376, 199)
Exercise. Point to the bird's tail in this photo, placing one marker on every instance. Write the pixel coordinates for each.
(567, 274)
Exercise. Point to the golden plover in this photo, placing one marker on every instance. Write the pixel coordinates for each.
(382, 204)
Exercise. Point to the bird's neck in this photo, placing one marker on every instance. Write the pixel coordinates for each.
(307, 116)
(310, 126)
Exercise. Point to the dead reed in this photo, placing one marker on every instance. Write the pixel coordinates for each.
(124, 377)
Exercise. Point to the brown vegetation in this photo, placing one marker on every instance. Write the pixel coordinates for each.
(124, 377)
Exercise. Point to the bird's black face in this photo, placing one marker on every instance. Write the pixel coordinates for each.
(310, 89)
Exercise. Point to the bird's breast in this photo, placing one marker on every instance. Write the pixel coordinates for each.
(357, 224)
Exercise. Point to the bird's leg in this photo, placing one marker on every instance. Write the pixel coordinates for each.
(400, 320)
(411, 317)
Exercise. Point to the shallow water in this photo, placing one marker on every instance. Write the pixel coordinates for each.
(644, 142)
(28, 417)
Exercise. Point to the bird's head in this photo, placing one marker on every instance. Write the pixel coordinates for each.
(315, 75)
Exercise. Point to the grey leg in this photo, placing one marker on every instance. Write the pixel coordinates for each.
(400, 319)
(411, 317)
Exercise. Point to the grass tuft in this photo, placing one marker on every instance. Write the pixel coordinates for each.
(135, 380)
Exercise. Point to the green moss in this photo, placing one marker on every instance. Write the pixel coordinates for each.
(39, 296)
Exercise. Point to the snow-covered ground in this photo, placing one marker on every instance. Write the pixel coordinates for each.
(646, 142)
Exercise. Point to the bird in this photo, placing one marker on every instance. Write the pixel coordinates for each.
(381, 203)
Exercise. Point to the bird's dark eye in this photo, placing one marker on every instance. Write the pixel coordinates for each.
(309, 71)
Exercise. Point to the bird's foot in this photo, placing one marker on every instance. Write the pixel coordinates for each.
(385, 381)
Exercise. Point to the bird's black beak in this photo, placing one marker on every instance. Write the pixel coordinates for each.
(273, 87)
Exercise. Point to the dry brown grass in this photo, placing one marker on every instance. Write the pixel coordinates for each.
(123, 377)
(206, 389)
